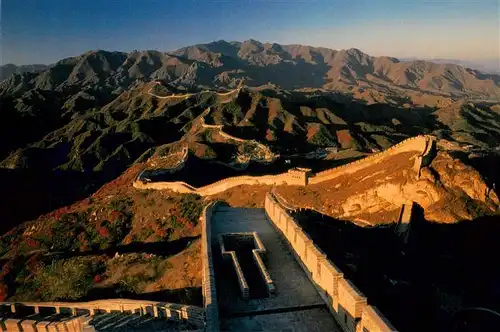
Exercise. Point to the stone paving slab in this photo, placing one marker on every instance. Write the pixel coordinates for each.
(313, 320)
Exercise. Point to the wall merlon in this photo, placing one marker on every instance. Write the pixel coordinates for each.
(373, 320)
(350, 298)
(347, 304)
(422, 144)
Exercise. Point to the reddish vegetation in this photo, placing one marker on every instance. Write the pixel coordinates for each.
(3, 292)
(103, 231)
(151, 216)
(32, 243)
(97, 279)
(270, 136)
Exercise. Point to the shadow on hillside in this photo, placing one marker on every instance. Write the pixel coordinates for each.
(487, 165)
(164, 248)
(189, 295)
(367, 123)
(28, 193)
(422, 285)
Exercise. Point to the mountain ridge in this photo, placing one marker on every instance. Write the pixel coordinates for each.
(294, 66)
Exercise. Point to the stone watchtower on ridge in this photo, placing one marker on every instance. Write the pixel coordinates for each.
(299, 176)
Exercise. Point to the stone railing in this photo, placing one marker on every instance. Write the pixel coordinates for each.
(346, 303)
(208, 273)
(172, 311)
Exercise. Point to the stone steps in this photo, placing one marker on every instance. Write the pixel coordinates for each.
(135, 322)
(104, 322)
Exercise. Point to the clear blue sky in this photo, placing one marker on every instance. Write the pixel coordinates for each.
(44, 31)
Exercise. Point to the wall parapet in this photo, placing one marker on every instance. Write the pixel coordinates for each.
(418, 143)
(346, 303)
(208, 272)
(422, 144)
(192, 314)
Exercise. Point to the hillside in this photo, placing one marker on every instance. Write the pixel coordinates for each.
(224, 63)
(10, 69)
(75, 136)
(89, 140)
(448, 190)
(119, 242)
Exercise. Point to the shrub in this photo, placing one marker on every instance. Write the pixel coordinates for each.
(191, 207)
(145, 234)
(121, 204)
(68, 279)
(4, 244)
(66, 229)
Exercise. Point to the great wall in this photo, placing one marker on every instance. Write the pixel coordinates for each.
(345, 302)
(187, 95)
(424, 145)
(346, 305)
(80, 315)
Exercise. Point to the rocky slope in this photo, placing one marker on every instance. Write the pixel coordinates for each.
(448, 190)
(224, 63)
(10, 69)
(70, 129)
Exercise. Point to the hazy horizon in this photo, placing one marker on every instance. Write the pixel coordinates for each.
(44, 32)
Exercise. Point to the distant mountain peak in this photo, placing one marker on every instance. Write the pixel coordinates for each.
(286, 66)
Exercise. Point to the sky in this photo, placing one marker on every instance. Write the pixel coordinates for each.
(45, 31)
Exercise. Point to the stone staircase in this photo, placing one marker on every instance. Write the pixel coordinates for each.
(101, 315)
(135, 322)
(115, 321)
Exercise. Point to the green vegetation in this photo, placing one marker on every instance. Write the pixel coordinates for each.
(191, 207)
(67, 279)
(323, 137)
(147, 269)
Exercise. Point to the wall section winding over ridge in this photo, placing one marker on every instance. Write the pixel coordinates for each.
(346, 303)
(423, 144)
(418, 143)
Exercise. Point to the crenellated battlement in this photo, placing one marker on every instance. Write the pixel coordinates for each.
(347, 304)
(423, 144)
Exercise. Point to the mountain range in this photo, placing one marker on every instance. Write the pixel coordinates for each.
(77, 134)
(90, 117)
(224, 64)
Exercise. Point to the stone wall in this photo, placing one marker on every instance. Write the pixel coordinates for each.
(208, 272)
(422, 144)
(257, 253)
(231, 255)
(346, 303)
(219, 186)
(76, 324)
(417, 143)
(403, 225)
(192, 314)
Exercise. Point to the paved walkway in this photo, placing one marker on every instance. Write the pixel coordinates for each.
(296, 306)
